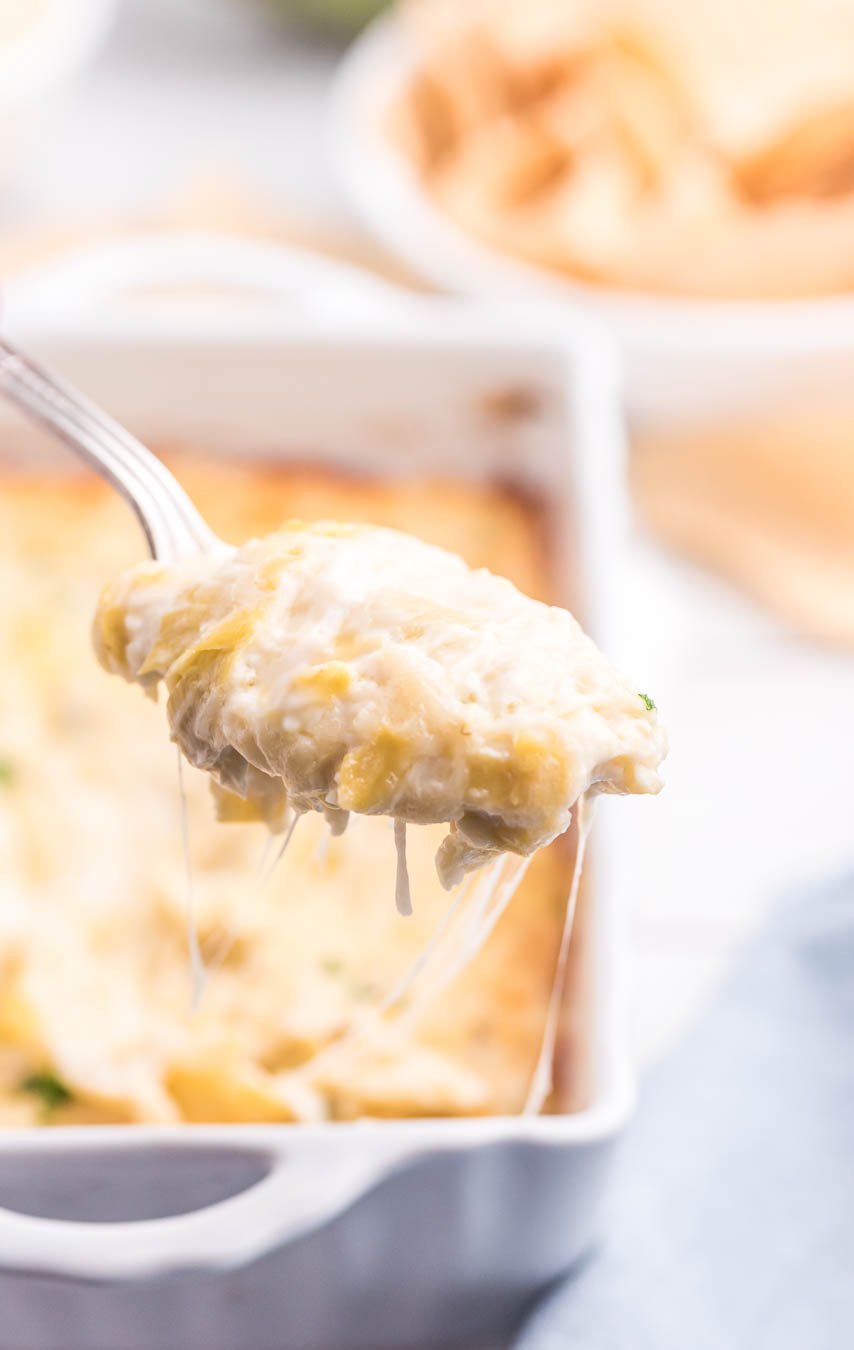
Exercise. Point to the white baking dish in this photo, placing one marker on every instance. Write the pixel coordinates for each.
(686, 360)
(368, 1234)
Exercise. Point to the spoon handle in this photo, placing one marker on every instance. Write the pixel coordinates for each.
(172, 526)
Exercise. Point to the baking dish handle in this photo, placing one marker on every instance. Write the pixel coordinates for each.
(250, 275)
(291, 1201)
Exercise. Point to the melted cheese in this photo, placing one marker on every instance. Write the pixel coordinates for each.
(343, 668)
(543, 1079)
(402, 894)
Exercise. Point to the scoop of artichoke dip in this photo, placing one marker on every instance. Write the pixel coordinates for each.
(337, 668)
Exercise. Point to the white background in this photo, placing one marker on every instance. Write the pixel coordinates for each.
(185, 88)
(762, 724)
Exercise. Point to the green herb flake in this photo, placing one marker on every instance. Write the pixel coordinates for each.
(330, 965)
(50, 1090)
(650, 705)
(7, 771)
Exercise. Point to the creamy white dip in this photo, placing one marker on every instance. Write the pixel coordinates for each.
(341, 668)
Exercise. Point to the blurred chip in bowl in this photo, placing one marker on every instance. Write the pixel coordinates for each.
(648, 145)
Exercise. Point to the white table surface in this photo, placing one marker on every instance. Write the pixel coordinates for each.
(762, 724)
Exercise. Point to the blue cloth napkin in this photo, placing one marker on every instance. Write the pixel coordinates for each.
(731, 1223)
